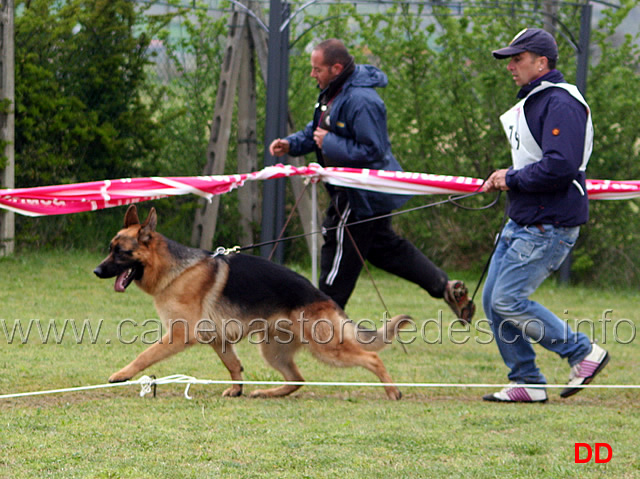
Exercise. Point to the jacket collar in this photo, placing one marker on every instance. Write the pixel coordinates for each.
(554, 76)
(336, 85)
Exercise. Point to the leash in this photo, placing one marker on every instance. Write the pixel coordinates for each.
(286, 223)
(454, 200)
(359, 253)
(505, 217)
(364, 264)
(450, 199)
(498, 236)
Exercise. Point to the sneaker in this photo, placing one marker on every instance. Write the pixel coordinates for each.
(518, 393)
(584, 372)
(456, 296)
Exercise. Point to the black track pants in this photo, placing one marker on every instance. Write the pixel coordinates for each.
(340, 264)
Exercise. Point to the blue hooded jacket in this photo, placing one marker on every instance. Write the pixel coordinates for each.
(357, 138)
(545, 192)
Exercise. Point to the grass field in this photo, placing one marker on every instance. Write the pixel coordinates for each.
(319, 432)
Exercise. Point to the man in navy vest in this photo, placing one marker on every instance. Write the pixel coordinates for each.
(551, 137)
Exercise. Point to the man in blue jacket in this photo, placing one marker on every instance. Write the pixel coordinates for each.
(349, 129)
(551, 137)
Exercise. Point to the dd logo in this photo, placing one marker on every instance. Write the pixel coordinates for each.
(598, 446)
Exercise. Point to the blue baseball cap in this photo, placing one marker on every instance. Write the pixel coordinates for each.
(533, 40)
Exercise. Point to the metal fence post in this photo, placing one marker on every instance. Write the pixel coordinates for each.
(273, 193)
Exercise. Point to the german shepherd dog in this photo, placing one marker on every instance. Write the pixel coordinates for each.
(218, 299)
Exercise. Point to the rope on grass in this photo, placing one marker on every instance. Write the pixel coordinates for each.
(146, 383)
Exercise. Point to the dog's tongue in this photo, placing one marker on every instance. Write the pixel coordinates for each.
(121, 281)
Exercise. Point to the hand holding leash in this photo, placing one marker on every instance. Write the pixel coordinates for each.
(496, 182)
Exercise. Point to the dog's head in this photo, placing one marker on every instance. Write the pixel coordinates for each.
(128, 250)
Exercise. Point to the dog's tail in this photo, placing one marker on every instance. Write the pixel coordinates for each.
(375, 340)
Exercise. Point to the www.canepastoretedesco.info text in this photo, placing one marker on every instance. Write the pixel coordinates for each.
(231, 331)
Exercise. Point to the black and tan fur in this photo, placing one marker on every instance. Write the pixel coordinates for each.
(189, 285)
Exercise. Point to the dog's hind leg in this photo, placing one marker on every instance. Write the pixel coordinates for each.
(280, 356)
(347, 353)
(230, 359)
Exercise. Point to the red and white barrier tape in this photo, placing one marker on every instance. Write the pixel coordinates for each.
(95, 195)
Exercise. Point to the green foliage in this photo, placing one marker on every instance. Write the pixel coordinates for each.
(90, 106)
(80, 114)
(445, 95)
(448, 126)
(609, 243)
(185, 116)
(79, 111)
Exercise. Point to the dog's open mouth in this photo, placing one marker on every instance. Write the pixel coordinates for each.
(124, 279)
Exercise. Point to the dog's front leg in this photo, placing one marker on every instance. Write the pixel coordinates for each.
(230, 359)
(170, 344)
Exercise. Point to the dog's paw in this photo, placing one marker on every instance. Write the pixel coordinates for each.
(394, 394)
(233, 392)
(119, 377)
(259, 393)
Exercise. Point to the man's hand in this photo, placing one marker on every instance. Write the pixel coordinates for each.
(318, 136)
(496, 182)
(279, 147)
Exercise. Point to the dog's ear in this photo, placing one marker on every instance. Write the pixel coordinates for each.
(131, 217)
(148, 227)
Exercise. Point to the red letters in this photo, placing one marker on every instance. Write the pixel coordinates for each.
(609, 450)
(577, 450)
(598, 446)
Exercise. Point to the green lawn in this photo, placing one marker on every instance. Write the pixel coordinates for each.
(347, 432)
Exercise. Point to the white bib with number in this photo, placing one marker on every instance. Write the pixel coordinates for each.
(524, 148)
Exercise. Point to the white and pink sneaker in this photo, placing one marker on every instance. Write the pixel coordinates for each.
(584, 372)
(518, 393)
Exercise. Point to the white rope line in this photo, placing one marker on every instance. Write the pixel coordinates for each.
(67, 390)
(146, 383)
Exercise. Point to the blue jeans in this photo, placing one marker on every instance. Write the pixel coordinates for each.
(523, 259)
